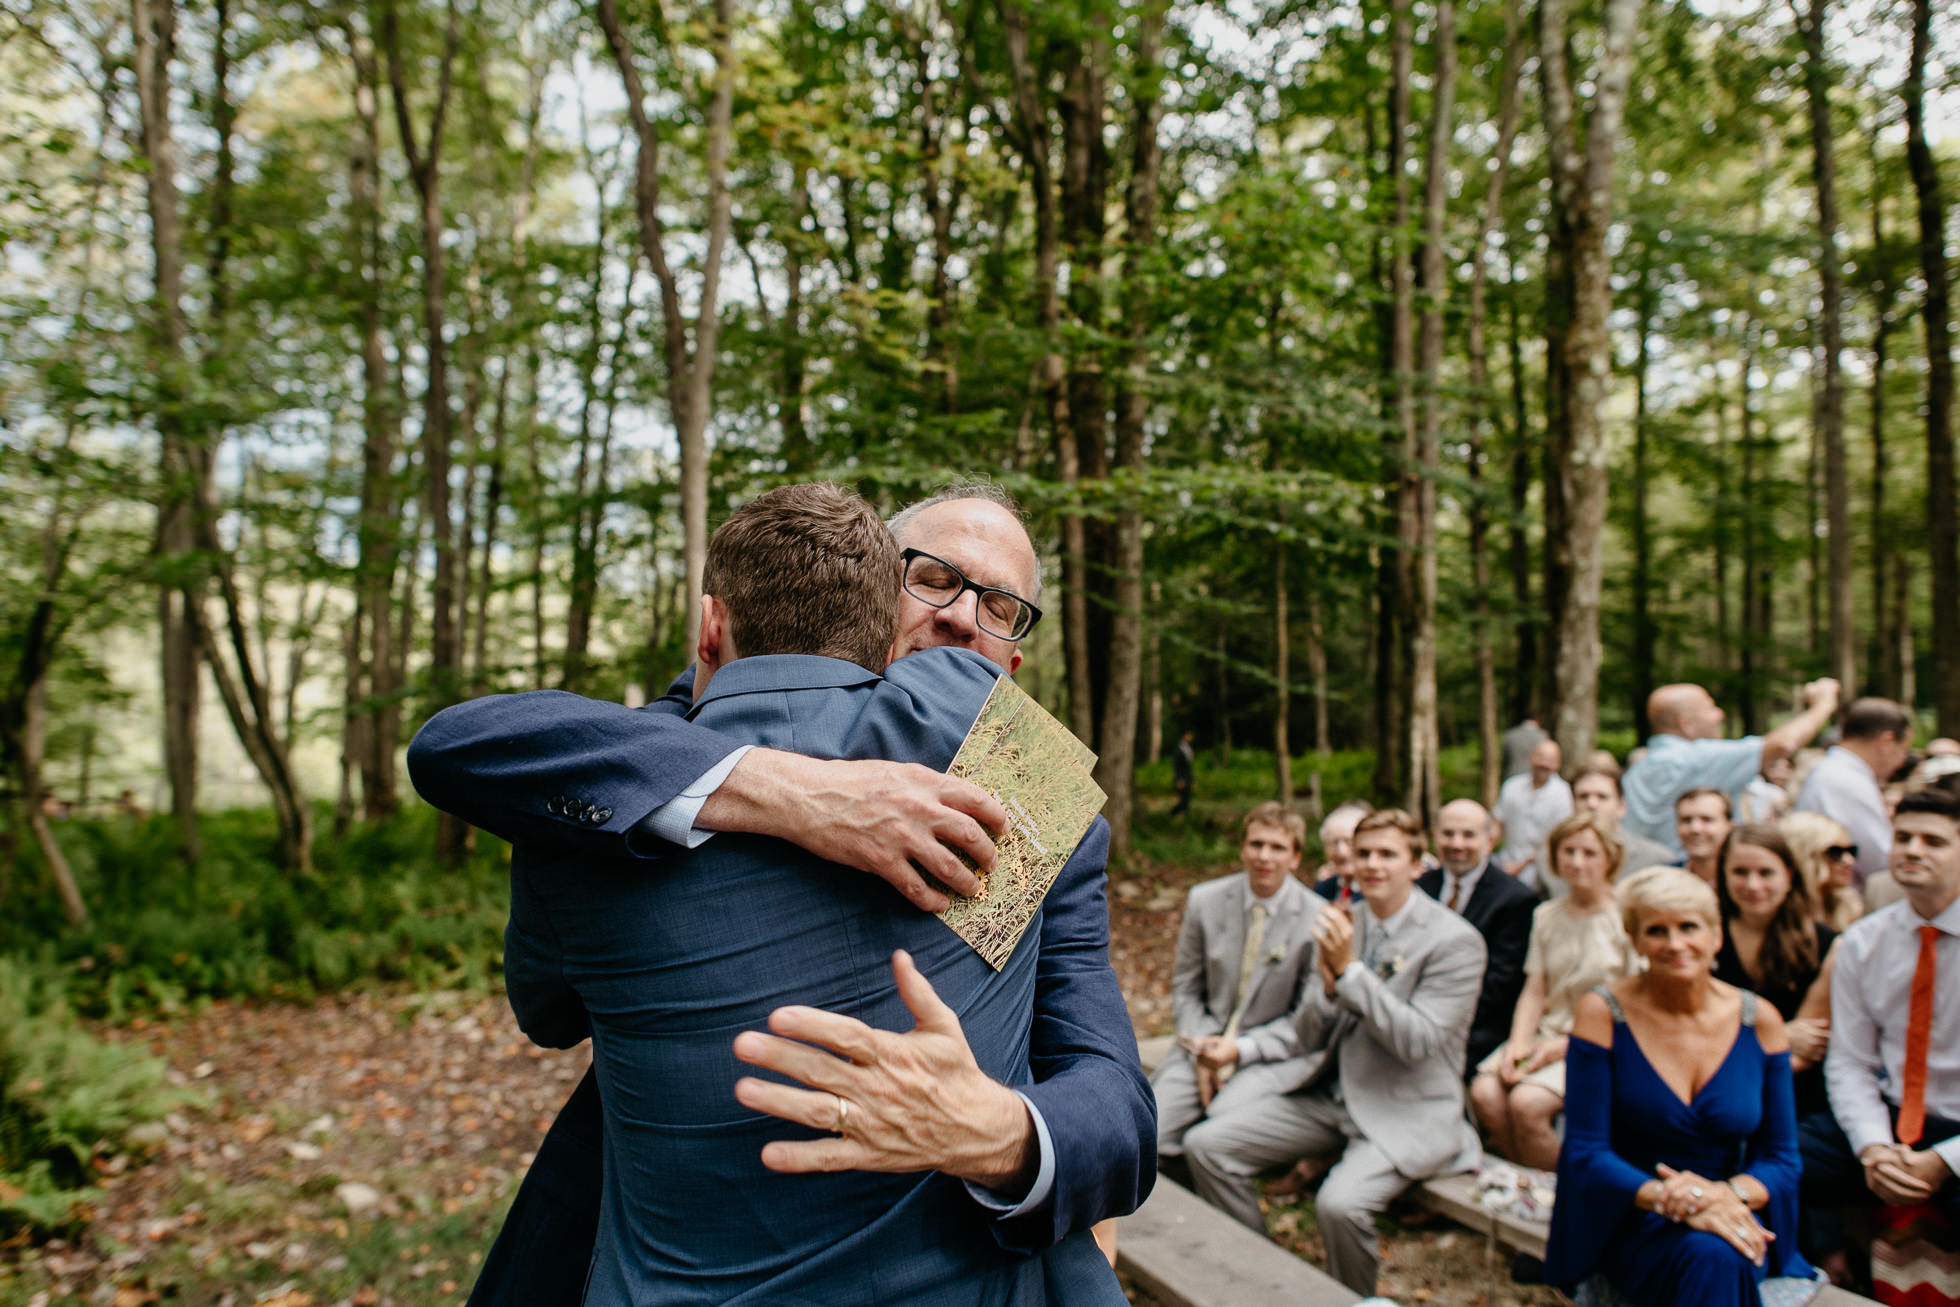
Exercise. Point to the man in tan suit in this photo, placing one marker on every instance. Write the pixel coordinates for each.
(1389, 1003)
(1242, 951)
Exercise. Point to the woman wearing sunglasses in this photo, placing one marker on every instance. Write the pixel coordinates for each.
(1829, 863)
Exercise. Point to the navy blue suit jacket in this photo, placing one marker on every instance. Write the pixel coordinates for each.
(570, 775)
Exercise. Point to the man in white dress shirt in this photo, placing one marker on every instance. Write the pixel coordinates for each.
(1893, 1070)
(1847, 784)
(1528, 806)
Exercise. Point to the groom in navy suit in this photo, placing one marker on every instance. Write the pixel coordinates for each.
(561, 775)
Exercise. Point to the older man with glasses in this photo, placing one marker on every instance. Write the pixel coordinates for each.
(644, 782)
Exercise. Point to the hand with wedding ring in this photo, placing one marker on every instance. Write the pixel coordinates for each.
(1683, 1193)
(915, 1101)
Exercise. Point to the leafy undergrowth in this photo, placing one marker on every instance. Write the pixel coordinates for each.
(357, 1152)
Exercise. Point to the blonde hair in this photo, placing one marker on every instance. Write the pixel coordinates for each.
(1578, 824)
(1808, 835)
(1667, 889)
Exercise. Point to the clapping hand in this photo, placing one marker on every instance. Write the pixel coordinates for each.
(1333, 934)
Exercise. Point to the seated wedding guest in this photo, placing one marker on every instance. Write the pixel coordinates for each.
(1577, 942)
(1674, 1078)
(1469, 884)
(1772, 944)
(1528, 806)
(1389, 1005)
(1767, 797)
(1847, 785)
(1829, 863)
(1894, 1065)
(1702, 820)
(1337, 844)
(1597, 790)
(1242, 950)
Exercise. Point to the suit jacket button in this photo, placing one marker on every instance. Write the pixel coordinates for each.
(599, 816)
(555, 804)
(576, 809)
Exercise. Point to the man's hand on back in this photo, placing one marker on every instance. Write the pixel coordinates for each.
(899, 1102)
(891, 819)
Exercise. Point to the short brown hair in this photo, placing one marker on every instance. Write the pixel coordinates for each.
(1705, 792)
(1274, 813)
(807, 569)
(1394, 819)
(1612, 778)
(1578, 824)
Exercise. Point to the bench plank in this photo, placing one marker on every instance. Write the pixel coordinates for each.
(1186, 1253)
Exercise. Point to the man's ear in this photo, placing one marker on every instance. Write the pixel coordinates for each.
(716, 647)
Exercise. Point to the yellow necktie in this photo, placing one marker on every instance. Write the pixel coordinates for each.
(1255, 940)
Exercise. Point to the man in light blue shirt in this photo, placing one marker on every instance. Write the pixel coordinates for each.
(1687, 752)
(1846, 784)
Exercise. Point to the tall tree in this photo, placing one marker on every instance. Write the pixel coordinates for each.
(1425, 774)
(690, 367)
(1942, 502)
(1830, 330)
(1582, 196)
(1116, 745)
(184, 468)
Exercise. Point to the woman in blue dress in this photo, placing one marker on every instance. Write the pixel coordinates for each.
(1678, 1176)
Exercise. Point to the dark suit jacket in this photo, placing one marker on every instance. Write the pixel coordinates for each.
(1500, 908)
(575, 771)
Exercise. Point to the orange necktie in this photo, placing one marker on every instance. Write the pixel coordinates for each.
(1919, 1038)
(1456, 886)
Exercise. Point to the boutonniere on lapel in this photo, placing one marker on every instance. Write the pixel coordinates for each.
(1276, 956)
(1387, 968)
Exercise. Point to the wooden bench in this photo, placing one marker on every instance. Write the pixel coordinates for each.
(1184, 1252)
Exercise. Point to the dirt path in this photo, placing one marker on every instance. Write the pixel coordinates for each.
(359, 1152)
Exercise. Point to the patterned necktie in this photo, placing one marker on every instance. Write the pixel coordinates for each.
(1456, 889)
(1919, 1038)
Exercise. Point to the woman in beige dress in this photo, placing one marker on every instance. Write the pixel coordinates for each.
(1577, 942)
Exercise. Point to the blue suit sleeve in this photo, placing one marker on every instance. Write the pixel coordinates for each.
(1088, 1084)
(547, 1007)
(559, 769)
(1595, 1184)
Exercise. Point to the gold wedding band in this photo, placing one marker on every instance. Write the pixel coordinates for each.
(843, 1112)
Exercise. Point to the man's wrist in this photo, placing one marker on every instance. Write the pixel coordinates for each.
(1003, 1155)
(759, 797)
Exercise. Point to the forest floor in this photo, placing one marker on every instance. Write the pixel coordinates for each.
(359, 1151)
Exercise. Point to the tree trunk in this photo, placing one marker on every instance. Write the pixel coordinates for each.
(372, 692)
(1748, 647)
(1483, 406)
(1883, 668)
(1582, 189)
(1116, 749)
(690, 373)
(183, 468)
(1644, 634)
(1526, 624)
(1942, 509)
(1397, 598)
(1425, 736)
(425, 170)
(1282, 676)
(1317, 672)
(1830, 416)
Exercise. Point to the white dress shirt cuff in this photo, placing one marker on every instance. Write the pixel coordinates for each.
(1949, 1152)
(1248, 1051)
(1044, 1176)
(1861, 1133)
(673, 820)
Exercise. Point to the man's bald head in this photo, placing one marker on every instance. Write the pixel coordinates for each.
(1685, 709)
(1463, 835)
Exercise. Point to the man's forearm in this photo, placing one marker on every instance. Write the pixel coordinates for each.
(1001, 1153)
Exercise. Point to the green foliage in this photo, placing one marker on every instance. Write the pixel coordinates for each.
(64, 1096)
(379, 906)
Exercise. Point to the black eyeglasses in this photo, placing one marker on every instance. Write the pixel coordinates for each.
(1838, 852)
(938, 584)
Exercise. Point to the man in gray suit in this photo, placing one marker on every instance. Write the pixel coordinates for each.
(1389, 1002)
(1242, 951)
